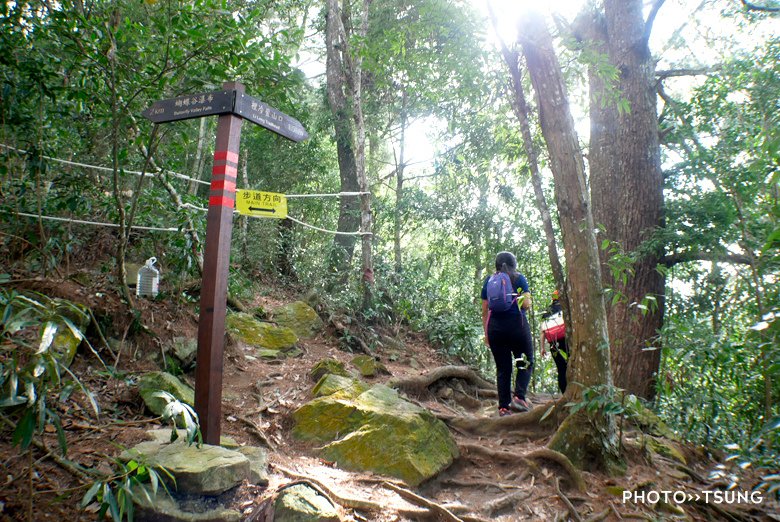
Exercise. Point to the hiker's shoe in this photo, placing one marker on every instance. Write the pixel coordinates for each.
(503, 412)
(519, 404)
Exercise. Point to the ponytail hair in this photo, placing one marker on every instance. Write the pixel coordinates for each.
(507, 262)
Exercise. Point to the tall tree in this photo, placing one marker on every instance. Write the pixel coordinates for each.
(588, 437)
(627, 183)
(344, 70)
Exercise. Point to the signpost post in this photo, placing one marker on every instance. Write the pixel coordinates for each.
(233, 106)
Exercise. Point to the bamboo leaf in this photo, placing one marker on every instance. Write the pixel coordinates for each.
(47, 336)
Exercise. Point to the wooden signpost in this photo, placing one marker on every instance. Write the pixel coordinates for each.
(233, 106)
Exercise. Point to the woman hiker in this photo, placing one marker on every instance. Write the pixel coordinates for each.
(505, 299)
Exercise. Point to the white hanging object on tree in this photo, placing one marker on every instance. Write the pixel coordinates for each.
(148, 279)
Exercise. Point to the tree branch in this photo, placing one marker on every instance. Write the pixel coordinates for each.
(651, 18)
(663, 74)
(683, 257)
(750, 6)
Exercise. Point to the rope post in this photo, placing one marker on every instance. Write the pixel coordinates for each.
(213, 293)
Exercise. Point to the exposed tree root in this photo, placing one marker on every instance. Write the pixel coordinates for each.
(257, 432)
(347, 502)
(562, 460)
(722, 512)
(419, 385)
(351, 339)
(442, 512)
(535, 426)
(504, 502)
(572, 510)
(542, 453)
(477, 483)
(598, 517)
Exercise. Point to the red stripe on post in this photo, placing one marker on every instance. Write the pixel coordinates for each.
(220, 201)
(223, 184)
(227, 170)
(226, 155)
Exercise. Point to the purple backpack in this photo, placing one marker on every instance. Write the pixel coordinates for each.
(500, 294)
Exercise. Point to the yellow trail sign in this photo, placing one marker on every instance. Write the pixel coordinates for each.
(261, 204)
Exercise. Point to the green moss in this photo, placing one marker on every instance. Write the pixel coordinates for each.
(299, 317)
(666, 449)
(583, 440)
(340, 386)
(261, 335)
(368, 366)
(376, 431)
(328, 366)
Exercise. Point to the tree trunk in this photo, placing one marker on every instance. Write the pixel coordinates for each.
(520, 107)
(244, 219)
(336, 71)
(284, 262)
(589, 439)
(197, 167)
(627, 188)
(399, 187)
(356, 81)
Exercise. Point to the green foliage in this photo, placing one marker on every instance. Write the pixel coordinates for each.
(31, 369)
(114, 495)
(601, 398)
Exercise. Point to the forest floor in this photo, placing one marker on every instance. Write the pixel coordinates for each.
(501, 476)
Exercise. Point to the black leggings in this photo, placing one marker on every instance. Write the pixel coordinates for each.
(560, 355)
(510, 338)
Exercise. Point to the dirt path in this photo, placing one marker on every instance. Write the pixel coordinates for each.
(503, 476)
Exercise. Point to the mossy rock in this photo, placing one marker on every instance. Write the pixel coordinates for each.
(327, 366)
(259, 334)
(666, 449)
(339, 385)
(160, 507)
(368, 366)
(153, 382)
(206, 470)
(299, 317)
(377, 431)
(185, 349)
(301, 503)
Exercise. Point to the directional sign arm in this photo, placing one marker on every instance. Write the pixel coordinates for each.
(256, 111)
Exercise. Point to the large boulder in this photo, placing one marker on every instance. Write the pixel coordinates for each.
(208, 470)
(263, 336)
(298, 317)
(339, 385)
(153, 382)
(376, 430)
(301, 503)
